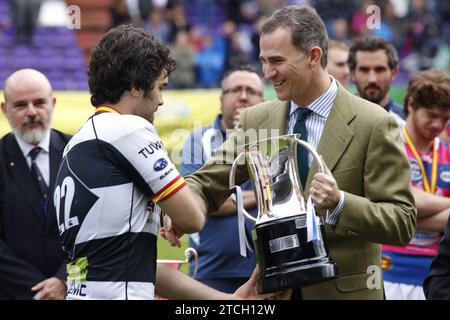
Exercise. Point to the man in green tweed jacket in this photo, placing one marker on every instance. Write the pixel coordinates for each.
(366, 183)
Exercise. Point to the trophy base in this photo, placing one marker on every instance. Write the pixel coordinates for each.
(298, 276)
(287, 259)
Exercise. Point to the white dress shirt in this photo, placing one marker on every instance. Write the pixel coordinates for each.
(43, 158)
(315, 123)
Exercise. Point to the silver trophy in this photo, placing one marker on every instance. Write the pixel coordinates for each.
(288, 236)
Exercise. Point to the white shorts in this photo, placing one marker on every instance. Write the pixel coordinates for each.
(401, 291)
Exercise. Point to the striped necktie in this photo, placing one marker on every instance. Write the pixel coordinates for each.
(38, 178)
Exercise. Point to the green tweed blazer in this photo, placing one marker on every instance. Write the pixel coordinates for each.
(361, 145)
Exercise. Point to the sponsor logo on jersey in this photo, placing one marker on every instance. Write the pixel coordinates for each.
(166, 174)
(151, 148)
(160, 164)
(386, 262)
(77, 269)
(445, 176)
(76, 289)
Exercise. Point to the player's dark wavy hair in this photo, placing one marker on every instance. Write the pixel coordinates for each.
(126, 57)
(428, 89)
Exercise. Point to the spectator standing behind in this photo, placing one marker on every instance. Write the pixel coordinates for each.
(113, 172)
(139, 10)
(358, 21)
(157, 25)
(31, 258)
(373, 64)
(119, 12)
(337, 62)
(210, 63)
(24, 14)
(177, 21)
(184, 74)
(361, 148)
(427, 106)
(220, 264)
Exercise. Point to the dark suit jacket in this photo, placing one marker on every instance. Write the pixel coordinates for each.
(437, 284)
(361, 145)
(30, 249)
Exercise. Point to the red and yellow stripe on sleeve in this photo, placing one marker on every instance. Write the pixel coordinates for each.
(169, 190)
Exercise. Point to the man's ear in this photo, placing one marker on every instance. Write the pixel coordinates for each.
(136, 93)
(4, 108)
(394, 73)
(221, 101)
(315, 56)
(410, 104)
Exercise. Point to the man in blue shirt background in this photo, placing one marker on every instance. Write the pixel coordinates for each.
(220, 264)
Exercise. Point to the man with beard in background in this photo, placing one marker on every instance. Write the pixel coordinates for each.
(32, 263)
(373, 64)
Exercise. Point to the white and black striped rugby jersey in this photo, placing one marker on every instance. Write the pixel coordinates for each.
(113, 171)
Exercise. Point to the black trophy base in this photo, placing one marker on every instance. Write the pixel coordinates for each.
(298, 276)
(287, 259)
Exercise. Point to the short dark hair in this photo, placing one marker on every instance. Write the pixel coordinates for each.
(429, 89)
(126, 57)
(372, 44)
(308, 29)
(244, 67)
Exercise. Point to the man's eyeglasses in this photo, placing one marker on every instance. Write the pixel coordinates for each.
(238, 91)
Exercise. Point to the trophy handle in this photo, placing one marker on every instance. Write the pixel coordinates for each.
(191, 253)
(237, 197)
(313, 151)
(315, 156)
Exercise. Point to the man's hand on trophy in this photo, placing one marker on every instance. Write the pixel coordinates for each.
(249, 290)
(324, 190)
(171, 232)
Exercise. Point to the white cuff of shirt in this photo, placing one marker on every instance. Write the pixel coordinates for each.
(333, 217)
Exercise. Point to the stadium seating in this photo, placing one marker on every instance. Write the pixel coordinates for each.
(54, 51)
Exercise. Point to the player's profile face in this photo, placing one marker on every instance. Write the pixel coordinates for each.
(150, 101)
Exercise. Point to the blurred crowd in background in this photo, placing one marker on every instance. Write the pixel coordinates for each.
(209, 37)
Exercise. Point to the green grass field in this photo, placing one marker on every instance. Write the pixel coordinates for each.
(166, 252)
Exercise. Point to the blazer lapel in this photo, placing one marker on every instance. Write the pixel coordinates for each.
(276, 122)
(21, 176)
(336, 135)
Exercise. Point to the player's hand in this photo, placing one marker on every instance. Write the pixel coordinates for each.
(171, 232)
